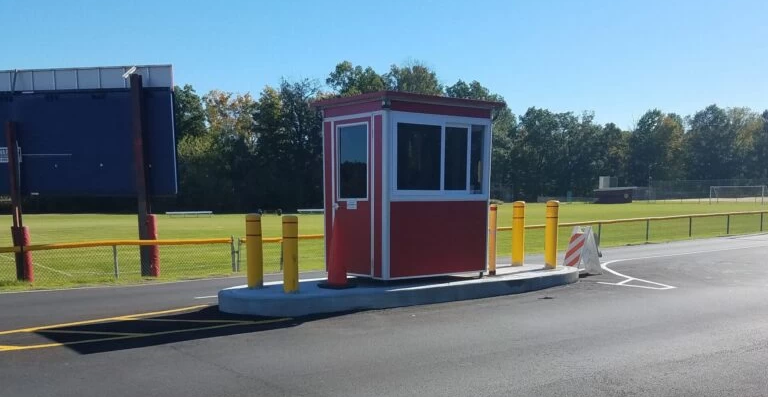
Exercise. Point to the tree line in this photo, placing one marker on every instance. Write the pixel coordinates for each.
(239, 153)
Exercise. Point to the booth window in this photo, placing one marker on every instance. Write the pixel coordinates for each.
(455, 158)
(418, 156)
(476, 159)
(426, 153)
(353, 162)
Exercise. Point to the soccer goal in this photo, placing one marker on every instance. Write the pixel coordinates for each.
(737, 194)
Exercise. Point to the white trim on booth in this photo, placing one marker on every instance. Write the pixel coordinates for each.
(487, 183)
(372, 183)
(442, 121)
(448, 197)
(334, 204)
(325, 196)
(386, 123)
(353, 116)
(337, 165)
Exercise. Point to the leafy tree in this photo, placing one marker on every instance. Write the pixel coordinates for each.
(712, 145)
(347, 79)
(656, 148)
(473, 90)
(612, 158)
(413, 77)
(759, 153)
(202, 185)
(747, 126)
(289, 150)
(582, 152)
(188, 111)
(229, 114)
(536, 150)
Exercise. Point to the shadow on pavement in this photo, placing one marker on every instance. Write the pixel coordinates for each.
(152, 331)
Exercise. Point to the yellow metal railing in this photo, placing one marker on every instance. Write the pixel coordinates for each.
(629, 220)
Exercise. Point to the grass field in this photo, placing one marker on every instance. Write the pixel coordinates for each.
(95, 265)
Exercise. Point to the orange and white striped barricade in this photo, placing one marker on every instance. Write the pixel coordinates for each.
(582, 251)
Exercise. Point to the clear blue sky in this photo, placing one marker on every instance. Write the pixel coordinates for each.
(616, 58)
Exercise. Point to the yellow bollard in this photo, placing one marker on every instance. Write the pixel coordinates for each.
(518, 233)
(254, 251)
(492, 240)
(290, 254)
(550, 234)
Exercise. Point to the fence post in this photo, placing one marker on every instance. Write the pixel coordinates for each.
(518, 233)
(291, 254)
(114, 261)
(761, 221)
(690, 226)
(239, 253)
(550, 234)
(647, 229)
(492, 217)
(728, 224)
(599, 232)
(232, 253)
(255, 254)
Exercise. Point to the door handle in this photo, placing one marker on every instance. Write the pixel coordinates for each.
(335, 206)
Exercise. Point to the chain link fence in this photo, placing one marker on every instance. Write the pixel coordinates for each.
(102, 262)
(689, 190)
(311, 253)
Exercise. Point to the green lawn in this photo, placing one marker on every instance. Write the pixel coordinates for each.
(96, 265)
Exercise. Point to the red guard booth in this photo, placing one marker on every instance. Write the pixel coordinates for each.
(406, 183)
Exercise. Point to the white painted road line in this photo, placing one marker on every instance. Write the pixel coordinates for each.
(628, 279)
(659, 286)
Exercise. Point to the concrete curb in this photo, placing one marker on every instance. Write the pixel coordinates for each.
(271, 301)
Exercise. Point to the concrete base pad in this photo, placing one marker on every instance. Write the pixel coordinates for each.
(370, 294)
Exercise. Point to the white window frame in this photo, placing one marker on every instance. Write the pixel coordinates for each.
(468, 128)
(442, 121)
(337, 166)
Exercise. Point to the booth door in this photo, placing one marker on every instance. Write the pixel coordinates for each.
(352, 209)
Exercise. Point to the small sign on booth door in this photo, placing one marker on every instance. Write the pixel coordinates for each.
(352, 204)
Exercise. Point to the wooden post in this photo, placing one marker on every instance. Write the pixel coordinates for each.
(142, 191)
(19, 233)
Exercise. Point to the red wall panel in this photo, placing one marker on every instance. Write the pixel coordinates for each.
(353, 109)
(437, 237)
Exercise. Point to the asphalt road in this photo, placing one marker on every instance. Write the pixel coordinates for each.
(680, 319)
